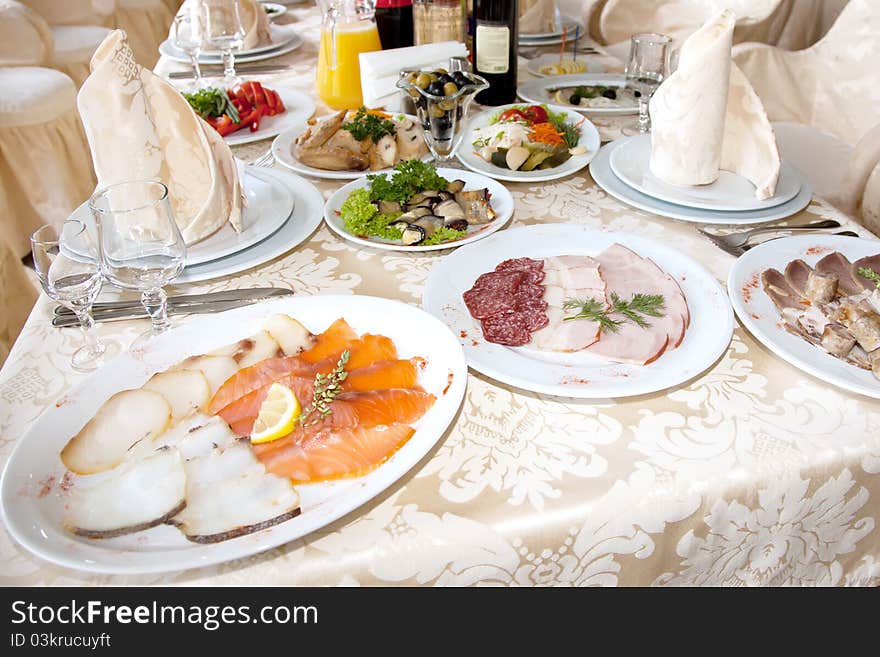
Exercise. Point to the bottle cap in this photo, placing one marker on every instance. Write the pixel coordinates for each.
(392, 4)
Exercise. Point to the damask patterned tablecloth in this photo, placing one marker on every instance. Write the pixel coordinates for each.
(752, 474)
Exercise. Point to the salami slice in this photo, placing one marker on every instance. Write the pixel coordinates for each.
(506, 329)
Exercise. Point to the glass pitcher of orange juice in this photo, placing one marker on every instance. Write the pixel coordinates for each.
(348, 29)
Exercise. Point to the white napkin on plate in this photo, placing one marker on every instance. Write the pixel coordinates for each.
(706, 117)
(538, 17)
(254, 20)
(140, 127)
(380, 70)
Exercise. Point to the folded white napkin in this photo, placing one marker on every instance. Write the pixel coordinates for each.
(140, 127)
(380, 70)
(538, 17)
(706, 117)
(254, 20)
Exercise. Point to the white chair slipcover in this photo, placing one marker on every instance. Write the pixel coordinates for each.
(25, 38)
(17, 297)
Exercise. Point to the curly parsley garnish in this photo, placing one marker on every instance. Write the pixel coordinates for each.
(365, 125)
(651, 305)
(408, 178)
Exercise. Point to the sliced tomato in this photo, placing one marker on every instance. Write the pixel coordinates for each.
(536, 114)
(512, 114)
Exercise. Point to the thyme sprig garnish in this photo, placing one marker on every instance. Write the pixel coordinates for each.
(327, 386)
(871, 275)
(633, 310)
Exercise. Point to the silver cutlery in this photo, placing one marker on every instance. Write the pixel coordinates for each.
(738, 251)
(734, 240)
(208, 71)
(180, 304)
(267, 159)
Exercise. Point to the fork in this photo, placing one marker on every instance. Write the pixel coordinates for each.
(738, 251)
(267, 159)
(734, 240)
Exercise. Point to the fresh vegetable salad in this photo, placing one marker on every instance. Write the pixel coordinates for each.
(229, 110)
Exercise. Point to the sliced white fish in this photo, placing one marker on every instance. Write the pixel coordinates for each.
(185, 390)
(290, 334)
(251, 350)
(217, 369)
(137, 495)
(194, 436)
(230, 494)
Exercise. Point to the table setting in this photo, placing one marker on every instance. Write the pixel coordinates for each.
(332, 319)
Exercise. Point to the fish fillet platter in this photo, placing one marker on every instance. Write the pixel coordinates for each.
(189, 453)
(576, 312)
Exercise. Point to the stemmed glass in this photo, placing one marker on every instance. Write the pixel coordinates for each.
(186, 34)
(140, 244)
(645, 70)
(75, 284)
(223, 31)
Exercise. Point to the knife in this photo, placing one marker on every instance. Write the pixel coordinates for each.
(122, 314)
(252, 293)
(207, 71)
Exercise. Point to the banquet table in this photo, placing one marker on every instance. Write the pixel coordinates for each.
(754, 473)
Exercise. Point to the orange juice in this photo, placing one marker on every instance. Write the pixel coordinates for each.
(340, 86)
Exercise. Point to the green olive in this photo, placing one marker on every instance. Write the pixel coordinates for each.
(436, 111)
(446, 105)
(433, 76)
(450, 88)
(422, 81)
(441, 71)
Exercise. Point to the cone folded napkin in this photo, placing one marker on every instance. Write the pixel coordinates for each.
(537, 16)
(254, 20)
(140, 127)
(706, 117)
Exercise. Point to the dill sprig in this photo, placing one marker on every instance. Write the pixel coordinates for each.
(651, 305)
(327, 386)
(871, 275)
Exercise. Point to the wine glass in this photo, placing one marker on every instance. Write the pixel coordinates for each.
(140, 244)
(223, 31)
(186, 34)
(645, 70)
(75, 284)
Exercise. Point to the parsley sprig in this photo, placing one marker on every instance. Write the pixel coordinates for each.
(327, 386)
(365, 125)
(633, 310)
(871, 275)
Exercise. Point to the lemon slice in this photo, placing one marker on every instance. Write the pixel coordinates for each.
(278, 415)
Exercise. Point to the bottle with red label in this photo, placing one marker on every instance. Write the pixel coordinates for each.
(394, 18)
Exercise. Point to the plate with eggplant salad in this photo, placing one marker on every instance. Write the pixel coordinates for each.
(528, 142)
(418, 207)
(249, 111)
(344, 145)
(590, 93)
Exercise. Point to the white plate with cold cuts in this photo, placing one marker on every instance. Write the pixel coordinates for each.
(729, 193)
(467, 151)
(761, 317)
(581, 374)
(298, 108)
(38, 493)
(600, 169)
(501, 201)
(268, 205)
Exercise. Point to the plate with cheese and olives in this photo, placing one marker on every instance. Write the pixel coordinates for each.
(590, 93)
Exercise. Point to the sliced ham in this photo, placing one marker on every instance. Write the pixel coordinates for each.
(560, 335)
(837, 264)
(631, 344)
(797, 272)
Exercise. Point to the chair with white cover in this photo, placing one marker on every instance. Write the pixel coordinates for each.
(825, 105)
(17, 297)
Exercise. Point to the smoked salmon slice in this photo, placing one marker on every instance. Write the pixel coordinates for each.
(241, 414)
(338, 336)
(333, 455)
(264, 373)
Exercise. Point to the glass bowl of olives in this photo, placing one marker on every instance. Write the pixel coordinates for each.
(441, 100)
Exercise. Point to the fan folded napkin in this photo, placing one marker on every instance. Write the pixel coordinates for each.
(139, 127)
(254, 20)
(706, 117)
(538, 17)
(380, 70)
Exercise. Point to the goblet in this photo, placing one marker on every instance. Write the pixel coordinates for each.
(223, 31)
(646, 69)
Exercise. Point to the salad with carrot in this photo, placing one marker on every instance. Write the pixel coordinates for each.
(528, 137)
(229, 110)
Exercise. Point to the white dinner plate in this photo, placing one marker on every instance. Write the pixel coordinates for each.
(760, 316)
(467, 153)
(298, 109)
(280, 36)
(542, 91)
(306, 217)
(600, 169)
(33, 496)
(282, 149)
(501, 201)
(730, 193)
(269, 204)
(534, 65)
(168, 49)
(568, 24)
(579, 374)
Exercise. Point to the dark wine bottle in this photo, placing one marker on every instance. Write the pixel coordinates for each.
(495, 49)
(394, 20)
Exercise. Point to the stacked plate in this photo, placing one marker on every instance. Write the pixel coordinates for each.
(621, 169)
(563, 25)
(281, 211)
(284, 40)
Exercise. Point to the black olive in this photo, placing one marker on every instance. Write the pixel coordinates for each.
(574, 99)
(458, 112)
(610, 93)
(422, 102)
(426, 124)
(446, 78)
(637, 93)
(460, 79)
(443, 123)
(436, 89)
